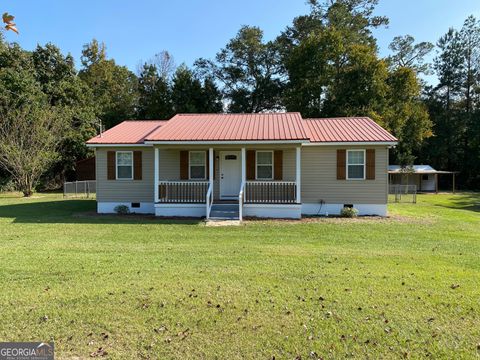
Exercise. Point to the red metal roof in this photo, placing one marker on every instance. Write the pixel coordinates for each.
(128, 132)
(246, 127)
(232, 127)
(348, 129)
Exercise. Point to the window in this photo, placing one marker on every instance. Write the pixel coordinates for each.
(264, 165)
(124, 165)
(197, 161)
(425, 177)
(356, 164)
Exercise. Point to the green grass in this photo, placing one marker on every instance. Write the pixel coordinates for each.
(332, 288)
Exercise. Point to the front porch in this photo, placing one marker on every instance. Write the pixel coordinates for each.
(258, 181)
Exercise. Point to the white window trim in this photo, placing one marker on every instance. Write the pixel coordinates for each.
(204, 165)
(364, 164)
(116, 164)
(256, 165)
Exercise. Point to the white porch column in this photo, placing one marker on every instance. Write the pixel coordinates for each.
(156, 174)
(244, 166)
(298, 178)
(210, 166)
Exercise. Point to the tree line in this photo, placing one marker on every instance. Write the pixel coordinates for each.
(324, 64)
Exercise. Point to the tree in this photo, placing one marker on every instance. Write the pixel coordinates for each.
(406, 116)
(454, 105)
(59, 80)
(155, 95)
(163, 62)
(29, 137)
(211, 97)
(330, 61)
(470, 43)
(186, 91)
(408, 54)
(249, 71)
(114, 87)
(93, 53)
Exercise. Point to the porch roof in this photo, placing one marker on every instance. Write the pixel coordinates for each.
(232, 127)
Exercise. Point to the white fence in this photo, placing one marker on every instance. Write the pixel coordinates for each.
(403, 193)
(87, 188)
(270, 192)
(183, 191)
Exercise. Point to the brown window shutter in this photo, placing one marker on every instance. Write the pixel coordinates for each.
(278, 165)
(183, 165)
(111, 163)
(250, 164)
(137, 165)
(370, 161)
(341, 164)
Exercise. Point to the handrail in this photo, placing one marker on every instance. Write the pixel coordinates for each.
(209, 201)
(240, 201)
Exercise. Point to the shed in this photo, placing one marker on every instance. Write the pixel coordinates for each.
(424, 177)
(85, 169)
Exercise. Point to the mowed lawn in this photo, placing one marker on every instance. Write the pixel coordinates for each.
(407, 286)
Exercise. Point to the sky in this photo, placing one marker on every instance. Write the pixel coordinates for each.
(136, 30)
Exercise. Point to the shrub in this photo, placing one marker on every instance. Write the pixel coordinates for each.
(122, 209)
(349, 212)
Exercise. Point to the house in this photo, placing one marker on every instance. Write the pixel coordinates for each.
(275, 165)
(423, 177)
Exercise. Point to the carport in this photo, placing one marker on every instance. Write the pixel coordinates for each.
(424, 177)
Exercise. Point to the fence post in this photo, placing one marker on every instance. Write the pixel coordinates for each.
(75, 188)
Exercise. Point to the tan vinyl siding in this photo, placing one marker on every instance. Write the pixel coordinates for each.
(169, 164)
(125, 190)
(319, 178)
(289, 166)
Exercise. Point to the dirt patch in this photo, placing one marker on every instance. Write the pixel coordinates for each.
(93, 214)
(252, 220)
(341, 220)
(222, 223)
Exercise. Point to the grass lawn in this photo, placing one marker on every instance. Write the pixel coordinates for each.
(408, 286)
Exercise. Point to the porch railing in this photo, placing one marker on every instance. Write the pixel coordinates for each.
(182, 191)
(270, 192)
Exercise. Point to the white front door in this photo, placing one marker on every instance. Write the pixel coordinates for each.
(230, 174)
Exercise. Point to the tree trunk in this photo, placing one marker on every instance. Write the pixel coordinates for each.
(27, 192)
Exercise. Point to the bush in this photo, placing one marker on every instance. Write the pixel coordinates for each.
(122, 210)
(349, 212)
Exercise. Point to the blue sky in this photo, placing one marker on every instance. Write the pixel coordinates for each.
(188, 29)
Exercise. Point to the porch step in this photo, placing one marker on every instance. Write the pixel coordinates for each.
(224, 212)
